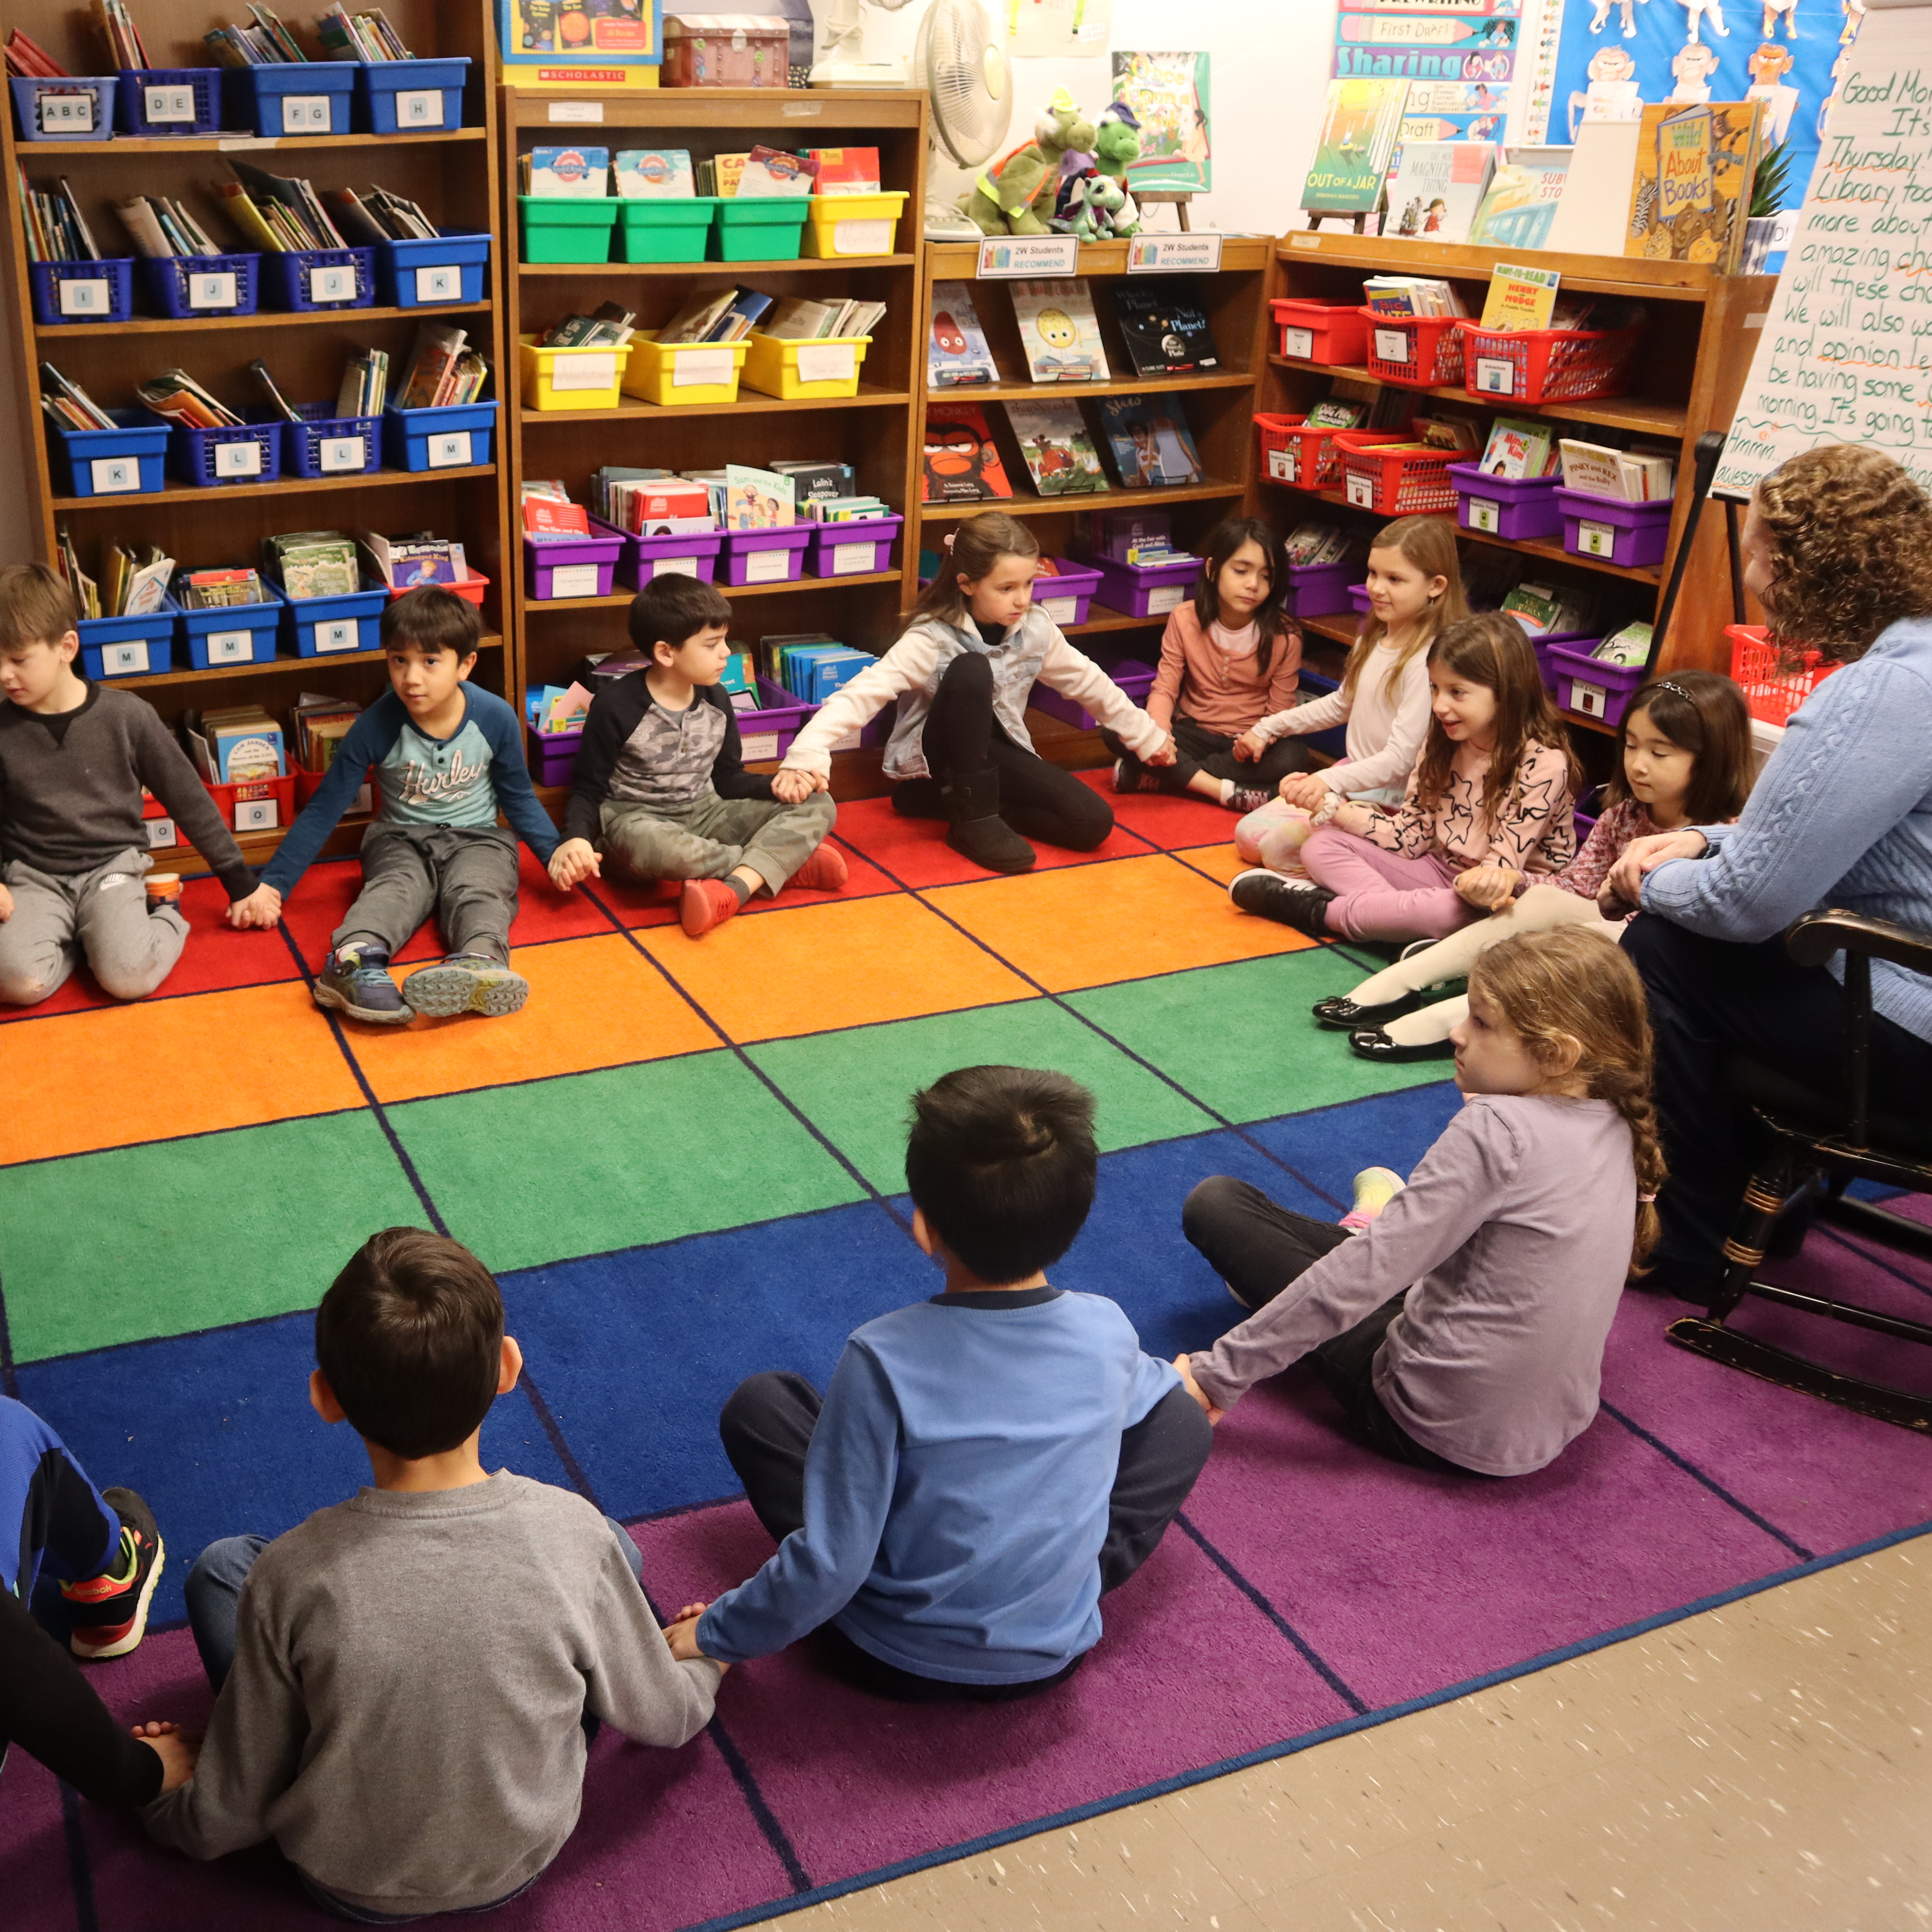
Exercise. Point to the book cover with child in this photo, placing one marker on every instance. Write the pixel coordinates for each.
(1150, 441)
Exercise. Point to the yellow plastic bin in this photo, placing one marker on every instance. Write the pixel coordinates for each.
(853, 224)
(572, 378)
(677, 374)
(822, 366)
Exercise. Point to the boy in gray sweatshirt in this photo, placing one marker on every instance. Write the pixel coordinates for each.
(406, 1681)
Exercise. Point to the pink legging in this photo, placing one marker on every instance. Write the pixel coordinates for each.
(1380, 895)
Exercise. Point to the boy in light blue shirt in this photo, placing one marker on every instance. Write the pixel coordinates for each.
(446, 757)
(984, 1464)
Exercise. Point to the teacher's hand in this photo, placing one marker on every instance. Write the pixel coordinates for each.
(1625, 881)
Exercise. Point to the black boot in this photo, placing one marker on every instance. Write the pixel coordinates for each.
(978, 832)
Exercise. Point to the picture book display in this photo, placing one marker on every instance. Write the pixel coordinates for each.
(652, 174)
(1151, 443)
(1437, 188)
(602, 45)
(1163, 327)
(1055, 445)
(1167, 93)
(758, 499)
(1521, 296)
(570, 174)
(1059, 332)
(1691, 191)
(1518, 210)
(957, 355)
(961, 465)
(1359, 125)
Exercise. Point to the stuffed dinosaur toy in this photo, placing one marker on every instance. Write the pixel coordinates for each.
(1117, 142)
(1097, 208)
(1016, 196)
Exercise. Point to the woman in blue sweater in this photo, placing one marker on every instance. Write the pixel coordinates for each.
(1838, 548)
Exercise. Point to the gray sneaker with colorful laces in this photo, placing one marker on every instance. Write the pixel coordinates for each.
(466, 982)
(356, 981)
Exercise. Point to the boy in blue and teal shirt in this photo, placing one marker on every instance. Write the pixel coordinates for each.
(446, 757)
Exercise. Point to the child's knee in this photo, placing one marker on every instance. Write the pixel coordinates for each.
(970, 671)
(1207, 1206)
(1089, 825)
(21, 986)
(121, 981)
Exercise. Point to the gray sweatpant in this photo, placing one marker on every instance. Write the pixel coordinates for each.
(466, 874)
(103, 914)
(713, 836)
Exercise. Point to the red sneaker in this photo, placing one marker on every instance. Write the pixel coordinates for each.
(824, 871)
(703, 904)
(110, 1616)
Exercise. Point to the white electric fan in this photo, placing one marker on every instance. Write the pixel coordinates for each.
(842, 64)
(960, 59)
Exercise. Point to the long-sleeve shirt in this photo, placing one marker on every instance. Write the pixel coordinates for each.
(1513, 1238)
(1222, 689)
(404, 1717)
(956, 1489)
(70, 788)
(1388, 720)
(909, 673)
(52, 1712)
(1841, 815)
(1619, 824)
(638, 753)
(1534, 830)
(464, 780)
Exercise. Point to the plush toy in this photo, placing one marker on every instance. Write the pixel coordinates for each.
(1117, 141)
(1092, 206)
(1016, 196)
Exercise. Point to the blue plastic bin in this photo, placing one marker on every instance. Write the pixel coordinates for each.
(244, 634)
(422, 274)
(324, 444)
(332, 626)
(207, 458)
(125, 461)
(185, 286)
(411, 97)
(1332, 743)
(82, 291)
(162, 100)
(311, 98)
(309, 279)
(80, 109)
(129, 647)
(445, 438)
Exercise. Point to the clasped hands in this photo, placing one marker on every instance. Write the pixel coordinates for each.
(1623, 887)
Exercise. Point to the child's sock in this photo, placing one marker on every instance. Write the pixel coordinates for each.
(1375, 1187)
(740, 889)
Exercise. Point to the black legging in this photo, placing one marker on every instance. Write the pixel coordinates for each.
(963, 737)
(1196, 748)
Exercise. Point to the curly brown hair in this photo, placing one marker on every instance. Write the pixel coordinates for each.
(1851, 548)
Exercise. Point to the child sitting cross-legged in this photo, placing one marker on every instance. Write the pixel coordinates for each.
(1461, 1328)
(404, 1682)
(446, 756)
(985, 1464)
(661, 787)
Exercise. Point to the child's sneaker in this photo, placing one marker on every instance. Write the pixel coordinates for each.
(109, 1612)
(356, 981)
(1131, 776)
(1375, 1187)
(705, 903)
(1245, 801)
(1299, 903)
(466, 982)
(824, 871)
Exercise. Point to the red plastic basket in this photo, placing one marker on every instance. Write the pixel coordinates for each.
(1547, 365)
(1318, 332)
(1307, 458)
(1395, 483)
(470, 589)
(255, 804)
(1431, 346)
(1773, 688)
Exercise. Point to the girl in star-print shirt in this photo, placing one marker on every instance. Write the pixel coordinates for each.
(1494, 788)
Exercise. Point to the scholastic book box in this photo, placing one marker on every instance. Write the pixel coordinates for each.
(590, 45)
(1054, 441)
(961, 464)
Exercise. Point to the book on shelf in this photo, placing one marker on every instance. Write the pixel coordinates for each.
(609, 326)
(134, 581)
(1593, 216)
(720, 174)
(314, 563)
(175, 394)
(1519, 447)
(1455, 433)
(235, 744)
(281, 211)
(1629, 647)
(407, 563)
(1152, 445)
(770, 171)
(799, 318)
(1056, 447)
(1361, 121)
(1059, 332)
(1550, 611)
(1336, 413)
(1691, 191)
(363, 390)
(1521, 295)
(653, 174)
(125, 47)
(548, 514)
(161, 229)
(961, 464)
(267, 42)
(1309, 545)
(651, 503)
(219, 589)
(958, 356)
(1412, 295)
(566, 174)
(68, 403)
(1626, 475)
(367, 36)
(845, 509)
(27, 60)
(1164, 329)
(1436, 189)
(845, 170)
(758, 499)
(443, 371)
(377, 215)
(1521, 203)
(1136, 536)
(715, 315)
(319, 725)
(814, 479)
(55, 228)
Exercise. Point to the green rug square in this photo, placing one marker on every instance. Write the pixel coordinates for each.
(135, 1242)
(1239, 1037)
(618, 1158)
(854, 1085)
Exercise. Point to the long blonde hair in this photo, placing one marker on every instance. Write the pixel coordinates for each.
(977, 545)
(1570, 985)
(1428, 543)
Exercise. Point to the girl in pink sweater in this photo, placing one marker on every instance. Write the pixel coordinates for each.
(1228, 660)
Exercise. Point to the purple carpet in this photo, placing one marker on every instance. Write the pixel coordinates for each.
(1309, 1587)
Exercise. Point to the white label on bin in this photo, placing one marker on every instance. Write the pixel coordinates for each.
(862, 238)
(594, 369)
(828, 362)
(419, 107)
(1596, 539)
(674, 566)
(168, 104)
(332, 285)
(1484, 514)
(1165, 597)
(256, 814)
(767, 566)
(574, 580)
(161, 833)
(1361, 491)
(1281, 465)
(238, 459)
(66, 113)
(114, 476)
(1392, 345)
(93, 296)
(846, 558)
(692, 368)
(443, 282)
(1061, 609)
(1298, 342)
(1173, 254)
(1590, 699)
(214, 291)
(1496, 375)
(125, 660)
(449, 451)
(759, 745)
(222, 647)
(305, 113)
(342, 452)
(576, 110)
(341, 634)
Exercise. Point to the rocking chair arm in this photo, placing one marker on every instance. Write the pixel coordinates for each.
(1818, 935)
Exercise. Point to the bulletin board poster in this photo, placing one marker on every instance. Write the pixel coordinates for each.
(1168, 93)
(600, 44)
(1457, 56)
(1616, 57)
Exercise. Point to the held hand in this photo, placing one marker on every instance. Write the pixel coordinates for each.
(1305, 789)
(575, 860)
(1165, 756)
(1195, 1389)
(683, 1637)
(793, 785)
(1641, 855)
(177, 1752)
(6, 905)
(262, 908)
(1491, 887)
(1249, 746)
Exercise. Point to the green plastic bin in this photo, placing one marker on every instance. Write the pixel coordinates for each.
(760, 228)
(567, 228)
(673, 229)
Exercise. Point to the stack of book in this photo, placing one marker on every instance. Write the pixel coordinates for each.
(133, 582)
(161, 229)
(1518, 447)
(29, 61)
(277, 212)
(406, 563)
(812, 665)
(313, 563)
(319, 725)
(1626, 475)
(761, 172)
(267, 44)
(55, 229)
(70, 406)
(443, 371)
(1411, 294)
(608, 325)
(378, 215)
(1310, 544)
(838, 171)
(549, 516)
(125, 47)
(235, 744)
(716, 315)
(1550, 611)
(175, 394)
(360, 37)
(844, 509)
(796, 319)
(219, 590)
(651, 503)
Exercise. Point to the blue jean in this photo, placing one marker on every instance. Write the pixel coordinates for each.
(49, 1509)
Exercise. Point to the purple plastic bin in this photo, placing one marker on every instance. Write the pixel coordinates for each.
(1067, 595)
(767, 732)
(1146, 589)
(1584, 641)
(848, 550)
(1590, 687)
(1319, 590)
(554, 757)
(766, 556)
(692, 554)
(1134, 677)
(1513, 508)
(1358, 598)
(570, 566)
(1632, 535)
